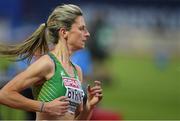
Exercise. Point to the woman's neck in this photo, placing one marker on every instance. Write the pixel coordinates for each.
(62, 52)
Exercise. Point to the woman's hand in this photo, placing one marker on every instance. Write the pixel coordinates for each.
(94, 95)
(57, 107)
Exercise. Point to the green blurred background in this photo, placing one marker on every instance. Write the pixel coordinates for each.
(142, 91)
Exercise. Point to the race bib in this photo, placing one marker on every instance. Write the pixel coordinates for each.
(74, 92)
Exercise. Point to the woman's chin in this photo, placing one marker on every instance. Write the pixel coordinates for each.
(82, 46)
(79, 48)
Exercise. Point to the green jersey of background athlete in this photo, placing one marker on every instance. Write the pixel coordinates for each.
(64, 33)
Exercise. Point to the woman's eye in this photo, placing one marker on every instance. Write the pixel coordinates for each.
(81, 28)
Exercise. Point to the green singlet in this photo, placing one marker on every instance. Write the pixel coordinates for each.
(60, 84)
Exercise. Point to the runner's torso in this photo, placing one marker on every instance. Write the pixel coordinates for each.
(60, 84)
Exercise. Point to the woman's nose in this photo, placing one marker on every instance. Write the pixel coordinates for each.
(87, 34)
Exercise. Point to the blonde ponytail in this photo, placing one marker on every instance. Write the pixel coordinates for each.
(35, 43)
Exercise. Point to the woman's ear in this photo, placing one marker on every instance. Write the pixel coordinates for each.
(63, 33)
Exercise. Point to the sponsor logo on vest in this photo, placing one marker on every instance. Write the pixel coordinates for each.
(71, 82)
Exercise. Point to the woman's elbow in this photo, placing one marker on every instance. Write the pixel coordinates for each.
(4, 95)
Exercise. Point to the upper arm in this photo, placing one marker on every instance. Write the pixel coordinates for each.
(38, 71)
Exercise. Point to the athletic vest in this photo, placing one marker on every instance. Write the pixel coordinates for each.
(60, 84)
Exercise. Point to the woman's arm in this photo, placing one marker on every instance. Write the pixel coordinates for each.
(93, 98)
(40, 70)
(10, 95)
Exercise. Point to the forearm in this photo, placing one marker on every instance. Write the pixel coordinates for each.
(16, 100)
(85, 114)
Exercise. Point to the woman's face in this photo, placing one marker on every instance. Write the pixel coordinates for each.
(78, 34)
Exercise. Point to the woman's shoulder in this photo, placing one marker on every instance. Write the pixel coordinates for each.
(44, 62)
(79, 71)
(45, 59)
(44, 65)
(78, 68)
